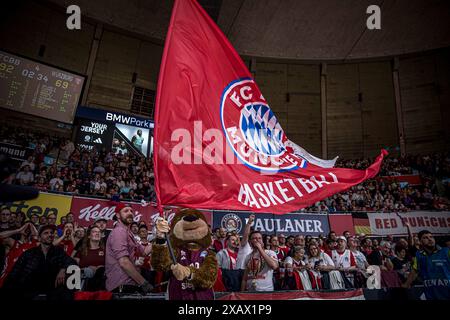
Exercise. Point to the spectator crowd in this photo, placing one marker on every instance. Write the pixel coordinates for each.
(126, 176)
(251, 262)
(36, 251)
(80, 172)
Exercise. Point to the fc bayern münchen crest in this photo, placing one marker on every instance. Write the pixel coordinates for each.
(231, 222)
(253, 131)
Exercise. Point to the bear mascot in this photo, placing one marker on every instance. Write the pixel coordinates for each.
(195, 272)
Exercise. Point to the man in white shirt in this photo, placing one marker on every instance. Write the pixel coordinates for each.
(227, 262)
(25, 177)
(29, 162)
(260, 264)
(344, 260)
(56, 181)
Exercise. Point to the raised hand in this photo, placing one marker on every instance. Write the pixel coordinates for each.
(162, 227)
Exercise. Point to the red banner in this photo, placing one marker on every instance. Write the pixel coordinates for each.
(357, 294)
(218, 145)
(412, 180)
(87, 210)
(341, 222)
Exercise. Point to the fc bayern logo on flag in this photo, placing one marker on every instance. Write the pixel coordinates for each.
(253, 131)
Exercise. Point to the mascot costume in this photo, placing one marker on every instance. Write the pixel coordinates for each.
(195, 271)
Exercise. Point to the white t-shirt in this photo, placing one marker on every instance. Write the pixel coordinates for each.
(324, 260)
(242, 255)
(224, 260)
(262, 280)
(292, 262)
(55, 181)
(360, 259)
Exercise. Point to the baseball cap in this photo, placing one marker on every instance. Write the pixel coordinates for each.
(342, 238)
(101, 219)
(119, 205)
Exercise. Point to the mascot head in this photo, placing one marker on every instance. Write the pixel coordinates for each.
(190, 230)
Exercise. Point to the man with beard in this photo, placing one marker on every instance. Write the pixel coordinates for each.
(260, 264)
(40, 270)
(122, 250)
(227, 261)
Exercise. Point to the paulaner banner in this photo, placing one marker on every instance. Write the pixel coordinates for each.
(266, 223)
(218, 145)
(395, 223)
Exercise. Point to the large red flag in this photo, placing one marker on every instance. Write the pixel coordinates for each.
(218, 144)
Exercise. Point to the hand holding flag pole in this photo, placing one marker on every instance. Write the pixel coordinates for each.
(162, 227)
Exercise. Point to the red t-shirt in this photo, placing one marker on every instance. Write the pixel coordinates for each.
(218, 245)
(94, 257)
(147, 265)
(68, 246)
(14, 255)
(285, 250)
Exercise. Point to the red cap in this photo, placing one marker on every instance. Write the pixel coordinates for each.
(119, 205)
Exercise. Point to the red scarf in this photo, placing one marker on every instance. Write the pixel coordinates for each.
(233, 258)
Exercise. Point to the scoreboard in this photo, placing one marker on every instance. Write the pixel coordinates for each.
(38, 89)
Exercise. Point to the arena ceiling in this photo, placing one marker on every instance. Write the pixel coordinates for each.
(295, 29)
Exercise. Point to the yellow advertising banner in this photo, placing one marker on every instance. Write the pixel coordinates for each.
(43, 205)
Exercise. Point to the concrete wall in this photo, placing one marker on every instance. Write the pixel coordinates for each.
(360, 115)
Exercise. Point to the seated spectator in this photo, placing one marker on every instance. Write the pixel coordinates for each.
(101, 223)
(227, 262)
(382, 257)
(144, 262)
(297, 273)
(5, 215)
(91, 259)
(27, 238)
(244, 247)
(56, 182)
(51, 219)
(67, 240)
(134, 228)
(25, 177)
(42, 220)
(219, 239)
(35, 220)
(281, 255)
(361, 263)
(345, 262)
(20, 219)
(400, 262)
(283, 245)
(40, 270)
(30, 163)
(324, 275)
(330, 245)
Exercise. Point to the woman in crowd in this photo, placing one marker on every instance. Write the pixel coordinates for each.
(297, 275)
(400, 262)
(67, 239)
(323, 270)
(91, 259)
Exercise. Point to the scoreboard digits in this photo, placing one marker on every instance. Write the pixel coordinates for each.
(35, 88)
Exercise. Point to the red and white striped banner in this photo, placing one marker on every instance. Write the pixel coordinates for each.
(297, 295)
